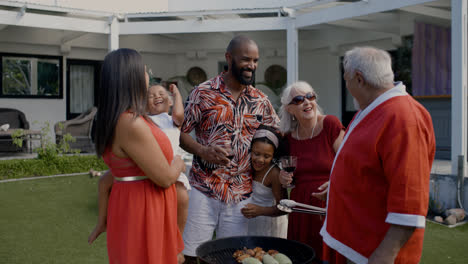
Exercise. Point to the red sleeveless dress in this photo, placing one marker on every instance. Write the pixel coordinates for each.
(314, 161)
(141, 216)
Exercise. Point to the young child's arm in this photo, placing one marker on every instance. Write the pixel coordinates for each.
(279, 192)
(253, 210)
(105, 186)
(178, 106)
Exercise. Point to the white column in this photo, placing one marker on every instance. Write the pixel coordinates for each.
(459, 72)
(114, 33)
(292, 51)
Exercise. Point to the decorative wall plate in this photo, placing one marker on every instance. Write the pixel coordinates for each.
(276, 77)
(196, 75)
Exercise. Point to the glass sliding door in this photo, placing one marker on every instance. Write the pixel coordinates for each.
(82, 85)
(81, 88)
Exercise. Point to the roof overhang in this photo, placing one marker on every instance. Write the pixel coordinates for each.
(300, 14)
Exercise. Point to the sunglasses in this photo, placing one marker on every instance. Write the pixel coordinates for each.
(297, 100)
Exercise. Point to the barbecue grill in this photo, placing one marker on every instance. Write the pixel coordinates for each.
(219, 251)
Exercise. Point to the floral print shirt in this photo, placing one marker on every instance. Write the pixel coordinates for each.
(217, 119)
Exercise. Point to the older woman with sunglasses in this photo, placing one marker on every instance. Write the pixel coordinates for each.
(314, 138)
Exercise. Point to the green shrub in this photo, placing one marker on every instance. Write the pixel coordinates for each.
(49, 150)
(50, 159)
(17, 137)
(11, 169)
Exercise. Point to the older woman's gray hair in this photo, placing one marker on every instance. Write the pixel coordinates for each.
(374, 64)
(288, 123)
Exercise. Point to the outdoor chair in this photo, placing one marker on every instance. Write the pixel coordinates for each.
(80, 128)
(15, 119)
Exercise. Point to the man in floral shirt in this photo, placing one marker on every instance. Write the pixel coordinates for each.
(225, 112)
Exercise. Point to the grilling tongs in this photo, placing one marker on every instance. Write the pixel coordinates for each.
(290, 206)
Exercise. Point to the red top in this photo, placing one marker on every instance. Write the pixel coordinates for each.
(315, 158)
(141, 216)
(381, 177)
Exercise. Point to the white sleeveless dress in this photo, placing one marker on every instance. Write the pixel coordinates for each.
(266, 225)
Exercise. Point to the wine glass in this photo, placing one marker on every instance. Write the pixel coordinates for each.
(226, 144)
(289, 164)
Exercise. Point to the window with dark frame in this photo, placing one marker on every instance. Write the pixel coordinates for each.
(30, 76)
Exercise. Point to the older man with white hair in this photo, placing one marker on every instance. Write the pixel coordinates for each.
(379, 184)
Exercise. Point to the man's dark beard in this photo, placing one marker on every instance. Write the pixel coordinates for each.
(237, 72)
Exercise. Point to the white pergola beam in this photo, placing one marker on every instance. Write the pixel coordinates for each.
(294, 3)
(185, 14)
(428, 11)
(172, 37)
(232, 16)
(114, 34)
(53, 22)
(309, 4)
(369, 26)
(353, 10)
(440, 3)
(203, 26)
(50, 8)
(292, 51)
(459, 82)
(387, 16)
(72, 36)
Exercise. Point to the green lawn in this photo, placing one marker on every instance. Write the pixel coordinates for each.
(48, 221)
(445, 245)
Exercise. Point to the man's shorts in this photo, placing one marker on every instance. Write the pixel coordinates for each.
(206, 215)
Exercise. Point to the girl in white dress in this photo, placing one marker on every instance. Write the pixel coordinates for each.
(265, 218)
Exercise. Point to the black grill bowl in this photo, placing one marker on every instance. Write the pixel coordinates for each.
(219, 251)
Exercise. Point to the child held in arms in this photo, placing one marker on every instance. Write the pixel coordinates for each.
(158, 106)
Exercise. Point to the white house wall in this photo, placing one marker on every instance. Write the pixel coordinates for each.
(162, 65)
(321, 70)
(210, 64)
(39, 111)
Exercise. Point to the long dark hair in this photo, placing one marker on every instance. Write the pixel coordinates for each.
(123, 87)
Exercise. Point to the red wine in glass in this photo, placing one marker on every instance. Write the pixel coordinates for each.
(288, 164)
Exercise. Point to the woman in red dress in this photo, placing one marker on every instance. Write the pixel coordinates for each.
(141, 217)
(314, 139)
